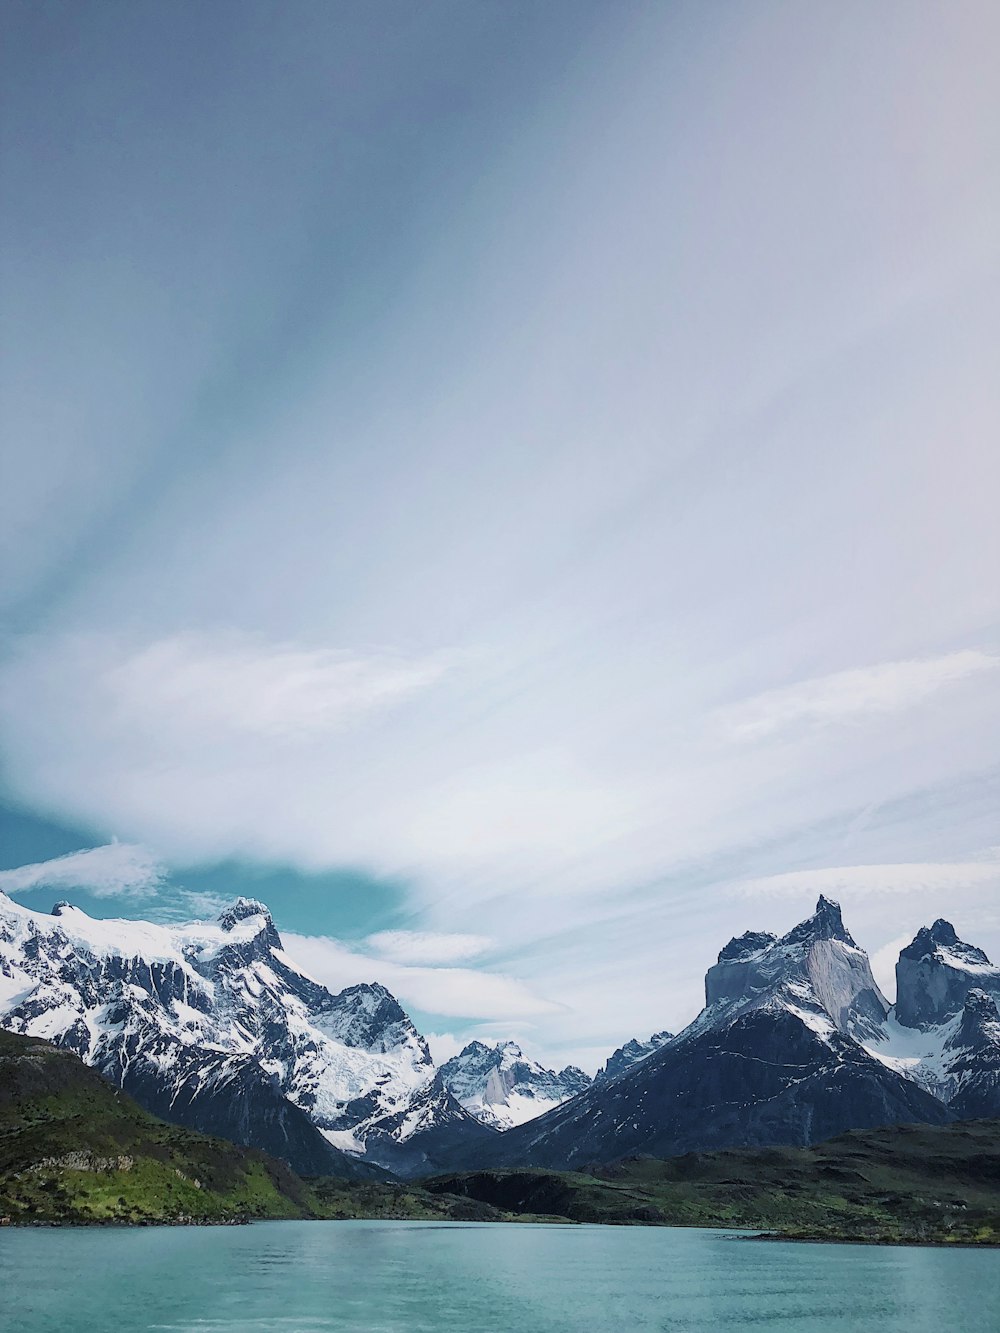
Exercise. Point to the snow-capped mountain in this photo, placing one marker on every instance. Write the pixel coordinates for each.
(935, 973)
(775, 1057)
(630, 1054)
(212, 1025)
(501, 1087)
(818, 963)
(944, 1030)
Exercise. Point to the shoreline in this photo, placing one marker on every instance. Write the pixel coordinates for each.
(734, 1233)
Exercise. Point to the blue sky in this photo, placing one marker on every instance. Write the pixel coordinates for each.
(511, 485)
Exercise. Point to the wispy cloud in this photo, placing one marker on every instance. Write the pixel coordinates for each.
(424, 946)
(119, 868)
(242, 683)
(455, 992)
(907, 877)
(887, 687)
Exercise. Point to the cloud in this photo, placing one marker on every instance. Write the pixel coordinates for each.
(119, 868)
(887, 687)
(444, 1045)
(423, 946)
(240, 683)
(454, 992)
(906, 877)
(883, 963)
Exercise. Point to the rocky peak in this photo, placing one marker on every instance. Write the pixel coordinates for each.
(501, 1087)
(633, 1051)
(942, 937)
(816, 962)
(826, 923)
(247, 909)
(63, 905)
(980, 1008)
(242, 909)
(751, 941)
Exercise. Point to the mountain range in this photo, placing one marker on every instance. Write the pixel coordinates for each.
(212, 1026)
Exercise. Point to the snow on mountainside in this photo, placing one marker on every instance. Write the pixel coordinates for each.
(501, 1087)
(944, 1031)
(213, 1025)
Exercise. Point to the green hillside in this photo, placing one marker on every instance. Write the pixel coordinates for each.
(904, 1183)
(74, 1148)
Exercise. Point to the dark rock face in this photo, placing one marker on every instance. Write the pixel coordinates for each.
(935, 973)
(232, 1097)
(975, 1064)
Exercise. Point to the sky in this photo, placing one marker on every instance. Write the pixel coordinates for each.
(512, 486)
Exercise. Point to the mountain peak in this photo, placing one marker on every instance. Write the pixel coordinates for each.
(942, 940)
(241, 909)
(826, 923)
(750, 942)
(63, 905)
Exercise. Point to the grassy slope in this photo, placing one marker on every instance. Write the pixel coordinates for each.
(906, 1183)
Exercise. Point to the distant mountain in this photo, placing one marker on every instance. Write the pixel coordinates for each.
(211, 1025)
(775, 1057)
(630, 1054)
(944, 1029)
(501, 1087)
(935, 973)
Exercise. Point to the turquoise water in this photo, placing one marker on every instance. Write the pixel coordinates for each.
(424, 1277)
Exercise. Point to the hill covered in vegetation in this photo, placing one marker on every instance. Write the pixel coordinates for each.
(903, 1183)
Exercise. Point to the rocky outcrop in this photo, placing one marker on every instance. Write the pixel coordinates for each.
(630, 1054)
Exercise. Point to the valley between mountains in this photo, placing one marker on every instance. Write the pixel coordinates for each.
(211, 1027)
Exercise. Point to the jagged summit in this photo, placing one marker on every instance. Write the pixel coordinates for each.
(741, 946)
(826, 923)
(250, 909)
(63, 905)
(242, 909)
(816, 964)
(631, 1053)
(934, 974)
(211, 1025)
(943, 937)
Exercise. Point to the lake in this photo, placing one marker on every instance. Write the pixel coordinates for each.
(426, 1277)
